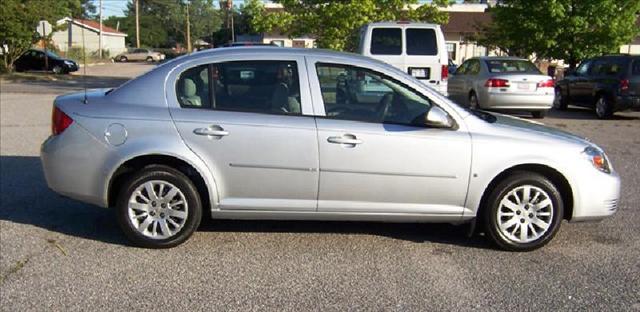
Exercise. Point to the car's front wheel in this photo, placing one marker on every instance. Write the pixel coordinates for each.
(523, 212)
(158, 207)
(149, 59)
(538, 114)
(123, 59)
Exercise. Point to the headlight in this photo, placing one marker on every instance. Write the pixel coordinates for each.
(597, 158)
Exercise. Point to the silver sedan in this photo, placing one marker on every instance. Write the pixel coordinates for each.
(301, 134)
(502, 83)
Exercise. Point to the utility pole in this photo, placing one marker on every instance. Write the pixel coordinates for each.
(137, 25)
(44, 44)
(233, 35)
(100, 34)
(188, 30)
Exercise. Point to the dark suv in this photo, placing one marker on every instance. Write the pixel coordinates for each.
(607, 84)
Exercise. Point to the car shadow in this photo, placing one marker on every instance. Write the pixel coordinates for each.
(26, 199)
(583, 113)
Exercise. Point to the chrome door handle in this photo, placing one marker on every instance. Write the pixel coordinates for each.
(346, 139)
(215, 131)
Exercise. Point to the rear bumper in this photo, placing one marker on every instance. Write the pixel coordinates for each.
(492, 100)
(72, 163)
(627, 102)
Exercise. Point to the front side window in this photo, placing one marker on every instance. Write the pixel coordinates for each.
(421, 42)
(270, 87)
(353, 93)
(386, 41)
(583, 69)
(473, 68)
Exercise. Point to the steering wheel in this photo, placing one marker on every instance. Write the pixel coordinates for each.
(334, 111)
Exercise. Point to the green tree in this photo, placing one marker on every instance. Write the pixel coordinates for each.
(18, 22)
(335, 23)
(569, 30)
(164, 22)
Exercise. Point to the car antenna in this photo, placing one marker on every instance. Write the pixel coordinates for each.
(84, 70)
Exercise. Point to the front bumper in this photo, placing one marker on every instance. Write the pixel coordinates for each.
(597, 195)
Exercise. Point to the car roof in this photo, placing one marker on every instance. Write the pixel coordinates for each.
(402, 24)
(501, 58)
(276, 50)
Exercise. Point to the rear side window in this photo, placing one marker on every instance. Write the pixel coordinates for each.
(421, 42)
(609, 67)
(386, 41)
(270, 87)
(635, 70)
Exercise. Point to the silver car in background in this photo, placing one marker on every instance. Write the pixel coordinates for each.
(304, 134)
(502, 83)
(140, 55)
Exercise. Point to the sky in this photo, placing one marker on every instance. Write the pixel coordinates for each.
(117, 7)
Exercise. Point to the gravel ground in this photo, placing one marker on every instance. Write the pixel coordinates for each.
(58, 254)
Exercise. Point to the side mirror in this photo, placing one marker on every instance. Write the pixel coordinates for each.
(436, 117)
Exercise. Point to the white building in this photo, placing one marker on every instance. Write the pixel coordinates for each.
(112, 39)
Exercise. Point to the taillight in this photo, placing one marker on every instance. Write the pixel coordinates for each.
(59, 121)
(496, 83)
(624, 84)
(546, 84)
(444, 73)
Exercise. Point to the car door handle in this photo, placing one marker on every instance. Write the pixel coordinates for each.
(347, 139)
(215, 131)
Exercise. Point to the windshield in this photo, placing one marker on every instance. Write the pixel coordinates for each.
(511, 66)
(51, 54)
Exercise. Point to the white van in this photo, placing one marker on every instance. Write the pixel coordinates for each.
(416, 48)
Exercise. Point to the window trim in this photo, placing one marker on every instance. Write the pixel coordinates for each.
(418, 93)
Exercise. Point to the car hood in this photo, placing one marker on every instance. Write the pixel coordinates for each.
(532, 128)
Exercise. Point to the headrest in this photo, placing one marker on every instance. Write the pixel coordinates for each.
(188, 88)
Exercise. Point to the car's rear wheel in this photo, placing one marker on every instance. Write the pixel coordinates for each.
(123, 59)
(538, 114)
(473, 100)
(603, 107)
(560, 102)
(159, 207)
(523, 212)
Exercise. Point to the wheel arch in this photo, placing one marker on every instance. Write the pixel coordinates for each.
(557, 178)
(206, 191)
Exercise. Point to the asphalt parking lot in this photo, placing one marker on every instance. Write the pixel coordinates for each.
(58, 254)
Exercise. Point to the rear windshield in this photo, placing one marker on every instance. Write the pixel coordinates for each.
(421, 42)
(511, 66)
(386, 41)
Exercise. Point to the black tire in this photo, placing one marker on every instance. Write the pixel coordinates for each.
(490, 212)
(165, 174)
(603, 107)
(123, 59)
(473, 100)
(539, 114)
(560, 102)
(58, 70)
(149, 59)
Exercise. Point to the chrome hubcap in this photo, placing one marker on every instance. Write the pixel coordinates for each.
(601, 107)
(525, 214)
(158, 209)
